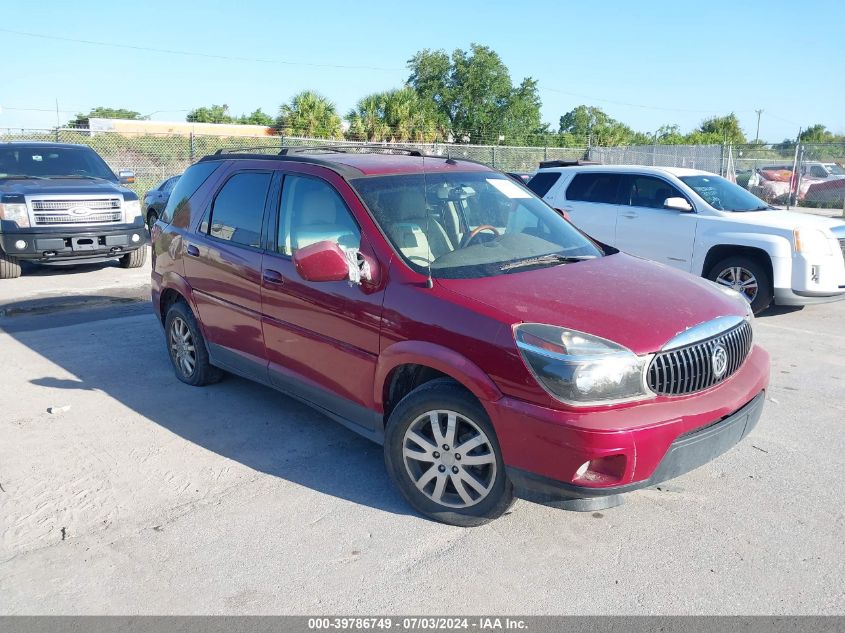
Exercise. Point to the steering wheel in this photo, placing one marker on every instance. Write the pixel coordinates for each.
(469, 237)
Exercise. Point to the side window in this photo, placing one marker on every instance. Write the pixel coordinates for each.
(542, 182)
(312, 211)
(185, 187)
(169, 184)
(594, 187)
(239, 208)
(647, 191)
(817, 171)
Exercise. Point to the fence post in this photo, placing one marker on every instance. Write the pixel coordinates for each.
(57, 134)
(545, 153)
(494, 157)
(191, 147)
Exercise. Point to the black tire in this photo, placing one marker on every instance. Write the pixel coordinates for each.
(135, 259)
(765, 292)
(203, 372)
(10, 267)
(152, 218)
(446, 394)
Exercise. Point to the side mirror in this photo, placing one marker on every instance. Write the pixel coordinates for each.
(127, 176)
(564, 214)
(321, 261)
(678, 204)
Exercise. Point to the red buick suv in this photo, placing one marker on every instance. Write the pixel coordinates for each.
(441, 309)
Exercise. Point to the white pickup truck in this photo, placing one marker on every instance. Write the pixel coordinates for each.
(706, 225)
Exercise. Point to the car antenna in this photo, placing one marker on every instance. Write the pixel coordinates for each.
(429, 283)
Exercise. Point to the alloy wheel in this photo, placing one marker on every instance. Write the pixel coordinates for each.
(182, 347)
(449, 458)
(740, 279)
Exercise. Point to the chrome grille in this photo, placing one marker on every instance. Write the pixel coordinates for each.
(56, 211)
(689, 368)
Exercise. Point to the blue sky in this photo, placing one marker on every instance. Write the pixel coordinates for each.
(645, 63)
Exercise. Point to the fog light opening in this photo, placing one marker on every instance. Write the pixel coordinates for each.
(20, 245)
(602, 471)
(136, 238)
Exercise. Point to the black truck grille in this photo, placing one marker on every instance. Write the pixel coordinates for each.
(691, 368)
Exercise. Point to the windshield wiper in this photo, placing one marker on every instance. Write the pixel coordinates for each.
(77, 176)
(21, 177)
(546, 259)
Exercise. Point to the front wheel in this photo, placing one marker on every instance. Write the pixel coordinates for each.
(152, 218)
(442, 453)
(10, 267)
(135, 259)
(186, 347)
(747, 276)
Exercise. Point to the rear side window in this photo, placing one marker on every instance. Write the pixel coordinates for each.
(239, 209)
(593, 187)
(542, 182)
(185, 187)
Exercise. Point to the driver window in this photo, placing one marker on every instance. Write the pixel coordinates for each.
(312, 211)
(649, 192)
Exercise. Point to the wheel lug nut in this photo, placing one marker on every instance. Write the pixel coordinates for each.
(441, 468)
(445, 447)
(455, 469)
(436, 454)
(458, 456)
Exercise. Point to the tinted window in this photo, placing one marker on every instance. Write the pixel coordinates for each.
(239, 208)
(542, 182)
(312, 211)
(590, 187)
(647, 191)
(185, 187)
(168, 185)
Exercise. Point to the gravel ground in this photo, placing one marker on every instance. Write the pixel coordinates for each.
(127, 492)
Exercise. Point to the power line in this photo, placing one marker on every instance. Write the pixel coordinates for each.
(632, 105)
(166, 51)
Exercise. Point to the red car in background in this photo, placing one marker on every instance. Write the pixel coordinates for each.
(438, 307)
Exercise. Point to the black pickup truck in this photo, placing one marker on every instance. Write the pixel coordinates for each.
(61, 202)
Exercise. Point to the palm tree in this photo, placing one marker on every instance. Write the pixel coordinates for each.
(309, 114)
(395, 115)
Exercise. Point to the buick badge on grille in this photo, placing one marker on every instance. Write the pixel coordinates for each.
(719, 359)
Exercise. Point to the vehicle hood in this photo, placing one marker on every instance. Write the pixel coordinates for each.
(625, 299)
(60, 186)
(778, 219)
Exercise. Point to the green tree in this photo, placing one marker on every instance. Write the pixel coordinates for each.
(394, 115)
(258, 117)
(82, 120)
(214, 114)
(719, 129)
(472, 94)
(309, 114)
(818, 133)
(589, 124)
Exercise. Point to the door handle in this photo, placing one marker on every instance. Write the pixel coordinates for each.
(271, 276)
(630, 215)
(192, 250)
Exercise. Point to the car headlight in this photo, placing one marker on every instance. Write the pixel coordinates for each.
(14, 212)
(811, 241)
(581, 369)
(132, 210)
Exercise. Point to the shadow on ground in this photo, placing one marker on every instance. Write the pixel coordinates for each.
(262, 429)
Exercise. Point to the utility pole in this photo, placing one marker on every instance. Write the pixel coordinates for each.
(757, 136)
(794, 177)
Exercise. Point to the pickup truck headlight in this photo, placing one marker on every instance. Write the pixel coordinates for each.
(132, 210)
(15, 212)
(581, 369)
(811, 241)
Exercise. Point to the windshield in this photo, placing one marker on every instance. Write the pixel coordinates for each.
(724, 195)
(470, 224)
(835, 169)
(51, 162)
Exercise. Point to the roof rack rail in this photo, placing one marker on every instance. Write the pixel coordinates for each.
(305, 149)
(566, 163)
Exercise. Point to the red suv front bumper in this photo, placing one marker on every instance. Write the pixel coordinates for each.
(554, 456)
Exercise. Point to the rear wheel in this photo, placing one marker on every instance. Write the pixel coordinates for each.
(442, 453)
(746, 275)
(152, 218)
(135, 259)
(10, 267)
(186, 347)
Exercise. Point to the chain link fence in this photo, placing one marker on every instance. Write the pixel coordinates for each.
(810, 174)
